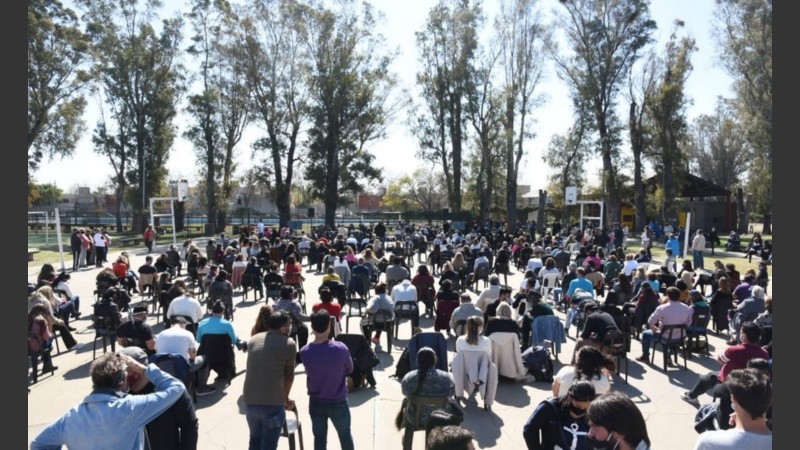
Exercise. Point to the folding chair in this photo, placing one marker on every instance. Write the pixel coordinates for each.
(403, 311)
(672, 338)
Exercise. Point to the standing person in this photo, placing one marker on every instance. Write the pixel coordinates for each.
(327, 364)
(615, 419)
(751, 394)
(86, 246)
(149, 238)
(75, 246)
(268, 381)
(100, 247)
(108, 418)
(698, 247)
(561, 422)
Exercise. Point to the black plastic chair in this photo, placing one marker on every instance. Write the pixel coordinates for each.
(105, 328)
(404, 311)
(218, 351)
(617, 344)
(413, 422)
(699, 322)
(386, 321)
(673, 338)
(481, 273)
(292, 426)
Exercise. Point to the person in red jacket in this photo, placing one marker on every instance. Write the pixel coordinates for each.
(149, 238)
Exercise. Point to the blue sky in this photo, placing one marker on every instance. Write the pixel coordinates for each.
(707, 82)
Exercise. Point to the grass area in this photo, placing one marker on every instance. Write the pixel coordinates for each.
(735, 258)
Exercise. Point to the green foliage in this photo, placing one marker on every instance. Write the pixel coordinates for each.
(349, 86)
(447, 48)
(605, 37)
(58, 53)
(744, 33)
(142, 80)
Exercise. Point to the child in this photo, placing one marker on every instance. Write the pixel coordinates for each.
(670, 262)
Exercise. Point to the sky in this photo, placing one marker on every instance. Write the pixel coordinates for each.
(395, 154)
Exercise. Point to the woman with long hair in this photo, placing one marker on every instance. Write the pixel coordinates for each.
(61, 283)
(62, 308)
(721, 301)
(262, 320)
(426, 381)
(446, 302)
(474, 340)
(641, 306)
(591, 365)
(40, 337)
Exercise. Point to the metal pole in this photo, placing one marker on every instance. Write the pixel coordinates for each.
(60, 243)
(174, 231)
(686, 235)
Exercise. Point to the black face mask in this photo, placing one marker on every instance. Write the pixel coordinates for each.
(575, 410)
(597, 444)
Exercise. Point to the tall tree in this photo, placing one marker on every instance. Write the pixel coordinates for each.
(142, 77)
(718, 148)
(350, 87)
(667, 110)
(523, 39)
(277, 68)
(745, 37)
(220, 108)
(483, 112)
(605, 37)
(447, 47)
(112, 140)
(58, 53)
(567, 154)
(641, 87)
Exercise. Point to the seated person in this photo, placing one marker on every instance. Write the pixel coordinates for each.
(177, 340)
(216, 324)
(596, 325)
(137, 333)
(406, 292)
(502, 322)
(734, 242)
(326, 303)
(379, 302)
(162, 265)
(117, 294)
(252, 277)
(446, 303)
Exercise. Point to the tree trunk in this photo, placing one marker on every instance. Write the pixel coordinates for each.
(283, 202)
(638, 185)
(611, 196)
(541, 227)
(741, 212)
(767, 224)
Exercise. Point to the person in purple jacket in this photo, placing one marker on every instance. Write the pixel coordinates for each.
(327, 364)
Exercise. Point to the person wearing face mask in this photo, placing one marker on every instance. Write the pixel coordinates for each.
(561, 423)
(616, 423)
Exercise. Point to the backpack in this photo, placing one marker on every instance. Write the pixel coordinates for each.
(403, 365)
(539, 363)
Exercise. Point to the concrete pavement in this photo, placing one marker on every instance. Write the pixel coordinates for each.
(221, 415)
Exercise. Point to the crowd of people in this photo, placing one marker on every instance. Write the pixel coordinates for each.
(397, 275)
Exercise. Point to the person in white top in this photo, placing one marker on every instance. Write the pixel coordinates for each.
(179, 341)
(751, 395)
(474, 340)
(489, 294)
(100, 247)
(591, 365)
(186, 305)
(698, 247)
(630, 265)
(406, 292)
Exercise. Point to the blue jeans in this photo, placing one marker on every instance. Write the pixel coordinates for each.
(571, 313)
(266, 424)
(647, 338)
(557, 295)
(339, 414)
(697, 259)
